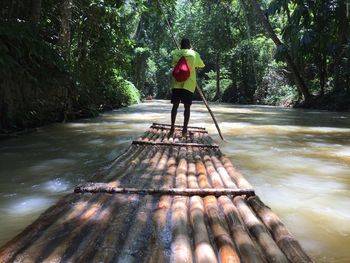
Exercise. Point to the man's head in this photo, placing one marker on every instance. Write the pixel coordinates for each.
(185, 43)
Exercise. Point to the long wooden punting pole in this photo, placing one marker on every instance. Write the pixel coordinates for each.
(106, 188)
(197, 85)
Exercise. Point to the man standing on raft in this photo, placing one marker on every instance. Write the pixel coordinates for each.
(184, 62)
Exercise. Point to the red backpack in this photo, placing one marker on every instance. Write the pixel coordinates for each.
(181, 71)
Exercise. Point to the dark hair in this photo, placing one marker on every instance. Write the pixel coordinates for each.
(185, 43)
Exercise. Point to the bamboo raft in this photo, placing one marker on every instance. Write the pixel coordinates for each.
(165, 199)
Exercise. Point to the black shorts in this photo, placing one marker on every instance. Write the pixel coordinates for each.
(181, 95)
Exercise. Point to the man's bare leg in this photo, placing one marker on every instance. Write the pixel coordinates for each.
(173, 117)
(186, 118)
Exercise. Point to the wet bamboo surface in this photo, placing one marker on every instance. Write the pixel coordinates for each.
(138, 226)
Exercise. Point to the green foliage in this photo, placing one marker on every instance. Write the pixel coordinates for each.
(122, 92)
(62, 59)
(209, 85)
(275, 88)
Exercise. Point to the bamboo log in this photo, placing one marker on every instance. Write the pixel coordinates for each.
(96, 232)
(139, 228)
(140, 163)
(201, 171)
(258, 230)
(105, 188)
(55, 237)
(160, 232)
(225, 177)
(157, 133)
(191, 130)
(175, 144)
(177, 126)
(80, 245)
(181, 178)
(112, 240)
(238, 178)
(245, 245)
(135, 244)
(34, 230)
(284, 239)
(214, 177)
(191, 173)
(118, 169)
(131, 162)
(146, 136)
(226, 246)
(203, 251)
(163, 134)
(181, 250)
(114, 163)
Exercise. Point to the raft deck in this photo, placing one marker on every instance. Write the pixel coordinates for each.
(165, 199)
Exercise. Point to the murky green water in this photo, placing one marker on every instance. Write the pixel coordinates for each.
(298, 162)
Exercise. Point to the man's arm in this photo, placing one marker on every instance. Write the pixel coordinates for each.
(199, 62)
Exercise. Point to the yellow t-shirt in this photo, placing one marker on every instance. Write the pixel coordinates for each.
(194, 61)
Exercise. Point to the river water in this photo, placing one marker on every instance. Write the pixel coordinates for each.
(297, 160)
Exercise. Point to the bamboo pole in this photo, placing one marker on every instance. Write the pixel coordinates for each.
(197, 85)
(237, 177)
(126, 168)
(52, 230)
(80, 244)
(203, 252)
(105, 188)
(167, 126)
(181, 249)
(138, 230)
(245, 245)
(136, 244)
(32, 232)
(57, 237)
(225, 177)
(284, 239)
(160, 231)
(214, 177)
(128, 165)
(117, 161)
(118, 169)
(201, 171)
(226, 246)
(258, 230)
(179, 129)
(161, 225)
(175, 144)
(87, 247)
(191, 173)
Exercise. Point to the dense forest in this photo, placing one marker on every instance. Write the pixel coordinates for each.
(66, 59)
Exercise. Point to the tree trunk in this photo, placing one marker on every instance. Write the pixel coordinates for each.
(218, 91)
(267, 26)
(340, 81)
(35, 11)
(65, 17)
(322, 73)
